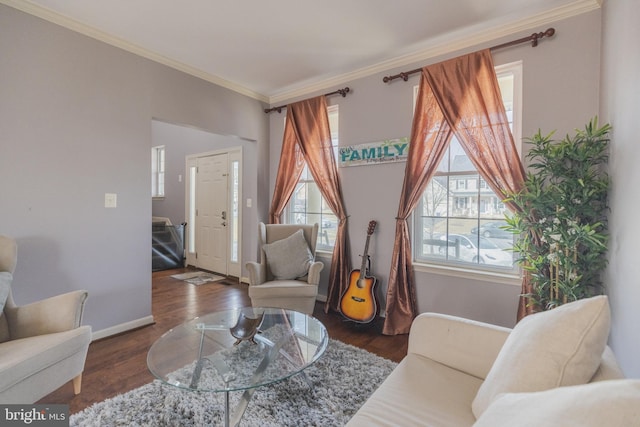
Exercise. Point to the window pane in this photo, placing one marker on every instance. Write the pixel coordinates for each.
(191, 226)
(157, 171)
(459, 218)
(235, 211)
(307, 206)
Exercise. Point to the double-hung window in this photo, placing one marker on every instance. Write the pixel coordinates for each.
(458, 221)
(307, 206)
(157, 171)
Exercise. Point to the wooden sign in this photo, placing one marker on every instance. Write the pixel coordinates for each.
(373, 153)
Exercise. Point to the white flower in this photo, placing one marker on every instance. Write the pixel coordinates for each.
(555, 237)
(552, 257)
(556, 221)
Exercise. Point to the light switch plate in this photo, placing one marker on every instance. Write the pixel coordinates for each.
(110, 200)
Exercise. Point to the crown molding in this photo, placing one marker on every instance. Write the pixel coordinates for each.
(452, 43)
(76, 26)
(443, 47)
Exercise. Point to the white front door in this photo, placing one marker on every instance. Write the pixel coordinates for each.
(212, 239)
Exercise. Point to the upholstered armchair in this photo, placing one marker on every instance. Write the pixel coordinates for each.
(287, 275)
(42, 345)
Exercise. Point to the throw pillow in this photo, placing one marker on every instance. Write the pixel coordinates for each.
(554, 348)
(289, 258)
(5, 286)
(614, 403)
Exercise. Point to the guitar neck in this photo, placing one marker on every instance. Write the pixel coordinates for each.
(364, 257)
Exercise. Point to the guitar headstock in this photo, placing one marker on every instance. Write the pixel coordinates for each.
(372, 227)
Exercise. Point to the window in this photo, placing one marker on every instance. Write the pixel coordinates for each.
(307, 206)
(234, 220)
(459, 218)
(157, 171)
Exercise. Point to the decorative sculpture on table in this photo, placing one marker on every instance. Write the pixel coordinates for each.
(246, 328)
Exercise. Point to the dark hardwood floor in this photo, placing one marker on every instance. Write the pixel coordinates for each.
(118, 364)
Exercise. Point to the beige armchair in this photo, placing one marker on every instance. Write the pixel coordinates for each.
(287, 275)
(42, 345)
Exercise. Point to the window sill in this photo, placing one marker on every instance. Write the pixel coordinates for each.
(157, 198)
(514, 279)
(323, 253)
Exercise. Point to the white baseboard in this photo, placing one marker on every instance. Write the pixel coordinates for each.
(123, 327)
(321, 298)
(244, 280)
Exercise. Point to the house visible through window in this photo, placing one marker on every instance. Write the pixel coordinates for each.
(157, 171)
(459, 218)
(307, 206)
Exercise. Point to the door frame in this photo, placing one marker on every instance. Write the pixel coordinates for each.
(235, 154)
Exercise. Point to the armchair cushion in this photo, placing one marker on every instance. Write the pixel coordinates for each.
(559, 347)
(22, 359)
(5, 287)
(604, 403)
(289, 258)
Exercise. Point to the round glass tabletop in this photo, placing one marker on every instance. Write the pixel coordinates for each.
(237, 349)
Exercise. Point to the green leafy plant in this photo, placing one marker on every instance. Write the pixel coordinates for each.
(561, 226)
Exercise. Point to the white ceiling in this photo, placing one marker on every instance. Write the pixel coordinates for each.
(285, 48)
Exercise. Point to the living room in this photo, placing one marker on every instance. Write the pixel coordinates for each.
(77, 123)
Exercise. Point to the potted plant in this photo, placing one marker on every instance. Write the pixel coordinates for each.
(561, 223)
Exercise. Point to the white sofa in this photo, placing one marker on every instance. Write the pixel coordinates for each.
(455, 373)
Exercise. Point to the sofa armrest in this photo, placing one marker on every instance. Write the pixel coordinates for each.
(466, 345)
(609, 368)
(257, 273)
(314, 273)
(56, 314)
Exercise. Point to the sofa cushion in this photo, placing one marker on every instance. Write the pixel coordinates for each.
(420, 392)
(288, 258)
(554, 348)
(614, 403)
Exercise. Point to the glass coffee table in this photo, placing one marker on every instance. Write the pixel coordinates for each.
(238, 350)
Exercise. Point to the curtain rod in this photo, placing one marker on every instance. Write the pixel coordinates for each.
(533, 38)
(342, 92)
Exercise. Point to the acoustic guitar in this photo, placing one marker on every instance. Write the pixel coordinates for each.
(358, 303)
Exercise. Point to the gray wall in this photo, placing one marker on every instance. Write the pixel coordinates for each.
(621, 108)
(560, 92)
(75, 123)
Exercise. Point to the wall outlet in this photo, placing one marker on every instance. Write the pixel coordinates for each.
(249, 203)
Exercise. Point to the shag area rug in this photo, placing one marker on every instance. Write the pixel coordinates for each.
(343, 378)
